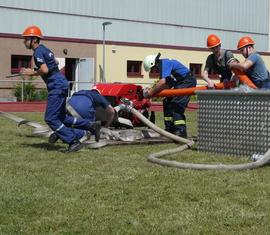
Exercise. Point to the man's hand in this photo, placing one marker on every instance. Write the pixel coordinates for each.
(211, 84)
(26, 71)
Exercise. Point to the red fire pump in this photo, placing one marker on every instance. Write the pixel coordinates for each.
(114, 92)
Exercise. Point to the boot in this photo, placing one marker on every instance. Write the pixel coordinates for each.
(75, 146)
(181, 131)
(53, 138)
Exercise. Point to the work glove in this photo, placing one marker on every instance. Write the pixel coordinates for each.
(146, 92)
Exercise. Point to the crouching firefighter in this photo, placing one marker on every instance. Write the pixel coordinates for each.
(173, 75)
(81, 110)
(57, 86)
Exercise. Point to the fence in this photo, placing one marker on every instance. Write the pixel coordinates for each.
(233, 122)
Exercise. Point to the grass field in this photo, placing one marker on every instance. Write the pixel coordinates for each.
(114, 190)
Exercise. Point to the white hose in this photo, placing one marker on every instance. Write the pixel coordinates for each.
(155, 157)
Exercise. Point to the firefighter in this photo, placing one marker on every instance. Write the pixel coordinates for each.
(82, 106)
(219, 61)
(57, 86)
(173, 75)
(254, 66)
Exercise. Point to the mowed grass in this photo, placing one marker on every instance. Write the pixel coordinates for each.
(114, 190)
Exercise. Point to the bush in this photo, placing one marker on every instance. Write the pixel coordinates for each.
(193, 98)
(41, 94)
(29, 91)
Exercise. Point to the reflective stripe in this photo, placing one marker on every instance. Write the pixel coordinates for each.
(180, 122)
(168, 118)
(72, 111)
(74, 121)
(58, 129)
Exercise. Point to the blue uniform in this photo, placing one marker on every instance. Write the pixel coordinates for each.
(258, 72)
(177, 76)
(85, 102)
(57, 86)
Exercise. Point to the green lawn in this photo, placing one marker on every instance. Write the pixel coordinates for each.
(114, 190)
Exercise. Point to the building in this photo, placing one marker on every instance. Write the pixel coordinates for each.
(175, 28)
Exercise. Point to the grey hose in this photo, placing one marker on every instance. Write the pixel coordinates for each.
(155, 157)
(162, 132)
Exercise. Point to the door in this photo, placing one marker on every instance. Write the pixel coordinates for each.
(70, 70)
(84, 74)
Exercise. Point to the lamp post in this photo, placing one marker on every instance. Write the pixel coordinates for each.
(104, 24)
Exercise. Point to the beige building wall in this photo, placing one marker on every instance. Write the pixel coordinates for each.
(117, 56)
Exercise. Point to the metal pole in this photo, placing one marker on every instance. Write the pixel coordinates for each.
(22, 91)
(103, 48)
(103, 57)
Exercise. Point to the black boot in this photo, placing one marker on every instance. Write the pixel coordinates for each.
(181, 131)
(95, 129)
(75, 146)
(53, 138)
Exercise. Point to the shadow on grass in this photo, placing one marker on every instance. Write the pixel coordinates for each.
(33, 136)
(47, 146)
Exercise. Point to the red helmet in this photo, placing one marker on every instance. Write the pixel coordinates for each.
(32, 31)
(213, 41)
(245, 41)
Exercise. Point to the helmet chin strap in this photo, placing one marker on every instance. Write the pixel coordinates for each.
(29, 46)
(246, 52)
(31, 42)
(157, 58)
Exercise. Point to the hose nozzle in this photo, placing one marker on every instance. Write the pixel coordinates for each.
(128, 104)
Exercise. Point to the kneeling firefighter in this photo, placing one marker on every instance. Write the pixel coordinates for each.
(81, 109)
(173, 75)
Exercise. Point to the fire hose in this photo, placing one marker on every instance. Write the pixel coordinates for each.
(187, 144)
(42, 130)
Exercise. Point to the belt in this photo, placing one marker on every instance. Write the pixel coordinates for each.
(181, 78)
(188, 75)
(263, 82)
(266, 81)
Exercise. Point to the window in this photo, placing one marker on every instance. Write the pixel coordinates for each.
(134, 68)
(154, 72)
(196, 69)
(20, 61)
